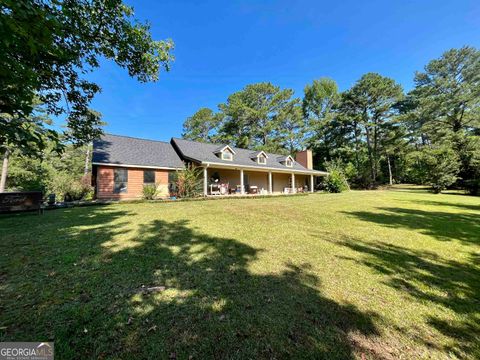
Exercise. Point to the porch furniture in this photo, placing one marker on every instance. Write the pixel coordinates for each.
(214, 189)
(219, 189)
(224, 188)
(253, 189)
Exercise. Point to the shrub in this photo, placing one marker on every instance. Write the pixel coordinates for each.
(335, 181)
(70, 189)
(188, 182)
(149, 192)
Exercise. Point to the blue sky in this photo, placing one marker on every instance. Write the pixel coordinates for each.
(221, 46)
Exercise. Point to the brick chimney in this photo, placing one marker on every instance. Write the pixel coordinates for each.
(305, 158)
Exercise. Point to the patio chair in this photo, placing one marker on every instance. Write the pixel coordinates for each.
(224, 189)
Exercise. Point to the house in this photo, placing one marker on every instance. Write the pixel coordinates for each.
(122, 165)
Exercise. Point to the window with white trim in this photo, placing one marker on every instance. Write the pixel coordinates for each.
(262, 160)
(289, 163)
(227, 155)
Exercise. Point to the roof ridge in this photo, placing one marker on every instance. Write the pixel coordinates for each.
(137, 138)
(200, 142)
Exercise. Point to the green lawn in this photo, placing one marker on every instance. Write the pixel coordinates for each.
(366, 274)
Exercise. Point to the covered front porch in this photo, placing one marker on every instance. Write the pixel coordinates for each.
(238, 181)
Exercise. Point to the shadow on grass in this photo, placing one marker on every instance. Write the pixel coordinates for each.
(448, 204)
(416, 188)
(427, 278)
(82, 279)
(441, 225)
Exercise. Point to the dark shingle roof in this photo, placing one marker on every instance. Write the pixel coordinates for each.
(254, 155)
(201, 152)
(125, 150)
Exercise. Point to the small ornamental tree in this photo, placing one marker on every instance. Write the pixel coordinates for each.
(189, 182)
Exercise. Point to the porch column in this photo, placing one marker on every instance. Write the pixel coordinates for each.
(242, 189)
(311, 183)
(270, 190)
(205, 182)
(294, 190)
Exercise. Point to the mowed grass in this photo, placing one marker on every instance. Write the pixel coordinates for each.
(392, 274)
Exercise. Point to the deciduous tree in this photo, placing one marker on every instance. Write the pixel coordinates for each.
(47, 47)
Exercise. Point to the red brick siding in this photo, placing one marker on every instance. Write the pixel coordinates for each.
(134, 185)
(305, 158)
(161, 176)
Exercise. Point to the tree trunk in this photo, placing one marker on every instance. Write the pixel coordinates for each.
(327, 147)
(87, 161)
(389, 170)
(370, 156)
(357, 160)
(375, 149)
(3, 179)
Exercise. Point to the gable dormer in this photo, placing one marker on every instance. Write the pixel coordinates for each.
(260, 157)
(225, 153)
(287, 161)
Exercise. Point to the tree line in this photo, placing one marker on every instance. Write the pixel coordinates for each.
(374, 131)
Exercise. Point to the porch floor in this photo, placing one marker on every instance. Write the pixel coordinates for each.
(256, 195)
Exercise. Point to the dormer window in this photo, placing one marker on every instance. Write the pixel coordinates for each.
(287, 161)
(260, 157)
(225, 153)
